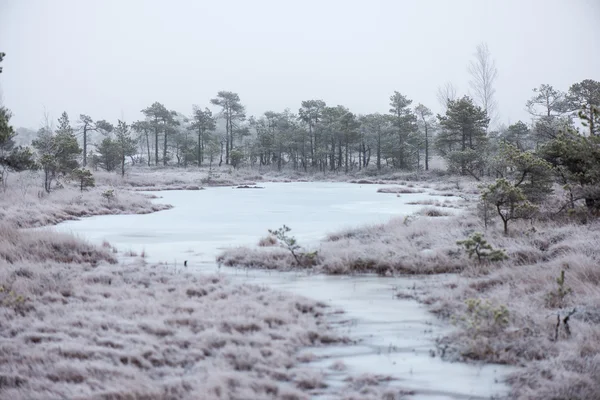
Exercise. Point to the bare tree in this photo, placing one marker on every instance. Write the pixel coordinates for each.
(445, 94)
(483, 73)
(47, 121)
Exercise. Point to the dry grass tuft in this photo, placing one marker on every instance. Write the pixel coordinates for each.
(18, 247)
(436, 203)
(434, 212)
(399, 190)
(268, 241)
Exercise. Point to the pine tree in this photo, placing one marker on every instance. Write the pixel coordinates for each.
(58, 152)
(204, 123)
(462, 140)
(125, 144)
(405, 126)
(232, 111)
(584, 99)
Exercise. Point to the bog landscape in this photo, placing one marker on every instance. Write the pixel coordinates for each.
(388, 249)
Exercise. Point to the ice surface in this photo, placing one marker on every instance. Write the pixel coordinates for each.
(395, 335)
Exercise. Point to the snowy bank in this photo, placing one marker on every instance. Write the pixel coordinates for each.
(25, 204)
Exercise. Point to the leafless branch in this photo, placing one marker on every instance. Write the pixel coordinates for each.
(483, 73)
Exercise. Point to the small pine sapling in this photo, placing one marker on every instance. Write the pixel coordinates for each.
(477, 245)
(84, 177)
(290, 243)
(109, 195)
(557, 298)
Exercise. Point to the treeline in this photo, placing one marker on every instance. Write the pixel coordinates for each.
(332, 138)
(317, 137)
(561, 140)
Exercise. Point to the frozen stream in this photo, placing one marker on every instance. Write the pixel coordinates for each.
(395, 335)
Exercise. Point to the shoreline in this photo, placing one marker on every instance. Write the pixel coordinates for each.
(503, 313)
(80, 322)
(523, 336)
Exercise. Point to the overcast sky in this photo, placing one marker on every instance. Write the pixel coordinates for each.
(110, 59)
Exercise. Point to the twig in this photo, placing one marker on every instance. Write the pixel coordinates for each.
(566, 321)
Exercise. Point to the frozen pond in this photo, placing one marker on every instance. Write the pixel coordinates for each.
(396, 336)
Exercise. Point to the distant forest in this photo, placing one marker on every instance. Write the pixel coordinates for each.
(321, 137)
(564, 134)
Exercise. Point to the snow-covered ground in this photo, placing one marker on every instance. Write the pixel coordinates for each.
(394, 337)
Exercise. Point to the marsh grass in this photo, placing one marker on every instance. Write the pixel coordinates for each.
(139, 331)
(24, 204)
(75, 324)
(194, 178)
(504, 312)
(399, 190)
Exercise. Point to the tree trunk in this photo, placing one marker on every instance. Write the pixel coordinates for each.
(230, 136)
(340, 159)
(463, 167)
(165, 149)
(148, 146)
(378, 149)
(364, 154)
(85, 145)
(202, 149)
(221, 160)
(226, 149)
(46, 180)
(199, 148)
(503, 218)
(304, 152)
(346, 154)
(279, 157)
(155, 142)
(332, 155)
(426, 148)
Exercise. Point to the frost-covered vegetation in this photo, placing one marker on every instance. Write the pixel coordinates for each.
(525, 289)
(525, 251)
(538, 309)
(505, 306)
(23, 204)
(81, 321)
(77, 324)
